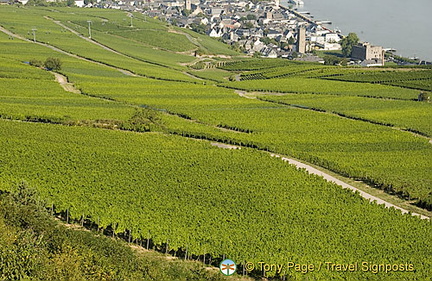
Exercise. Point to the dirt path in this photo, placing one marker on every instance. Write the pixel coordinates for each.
(192, 76)
(330, 178)
(68, 87)
(244, 94)
(189, 37)
(125, 72)
(253, 95)
(85, 37)
(223, 145)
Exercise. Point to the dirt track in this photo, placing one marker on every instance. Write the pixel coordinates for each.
(125, 72)
(330, 178)
(69, 87)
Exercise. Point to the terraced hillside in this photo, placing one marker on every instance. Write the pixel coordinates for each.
(129, 147)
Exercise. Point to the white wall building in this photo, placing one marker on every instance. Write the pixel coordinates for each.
(79, 3)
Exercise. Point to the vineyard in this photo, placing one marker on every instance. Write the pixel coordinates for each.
(289, 129)
(321, 86)
(53, 34)
(29, 93)
(167, 186)
(407, 115)
(419, 79)
(187, 195)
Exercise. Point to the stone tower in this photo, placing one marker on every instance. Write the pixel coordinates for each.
(188, 5)
(301, 40)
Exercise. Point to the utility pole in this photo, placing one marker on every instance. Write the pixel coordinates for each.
(89, 24)
(34, 34)
(131, 17)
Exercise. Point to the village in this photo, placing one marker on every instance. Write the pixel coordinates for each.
(257, 28)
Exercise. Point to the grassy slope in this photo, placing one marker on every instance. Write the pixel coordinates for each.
(34, 245)
(51, 33)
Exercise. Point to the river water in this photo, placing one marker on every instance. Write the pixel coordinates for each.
(405, 25)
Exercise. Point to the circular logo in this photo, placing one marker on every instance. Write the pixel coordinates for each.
(228, 267)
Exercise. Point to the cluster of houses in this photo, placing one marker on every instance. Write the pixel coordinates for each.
(263, 28)
(258, 28)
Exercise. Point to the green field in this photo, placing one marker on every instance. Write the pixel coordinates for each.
(322, 86)
(408, 115)
(208, 200)
(131, 152)
(29, 93)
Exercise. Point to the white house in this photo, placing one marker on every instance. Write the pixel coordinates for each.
(258, 45)
(215, 32)
(79, 3)
(332, 38)
(332, 46)
(268, 52)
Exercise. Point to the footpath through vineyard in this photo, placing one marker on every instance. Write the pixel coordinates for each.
(330, 178)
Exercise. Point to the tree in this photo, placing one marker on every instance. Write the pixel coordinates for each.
(251, 17)
(257, 55)
(331, 60)
(291, 41)
(248, 25)
(53, 64)
(35, 62)
(143, 120)
(348, 42)
(199, 28)
(186, 12)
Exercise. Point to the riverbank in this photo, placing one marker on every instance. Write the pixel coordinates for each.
(401, 26)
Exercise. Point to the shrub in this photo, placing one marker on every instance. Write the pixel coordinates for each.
(53, 64)
(35, 62)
